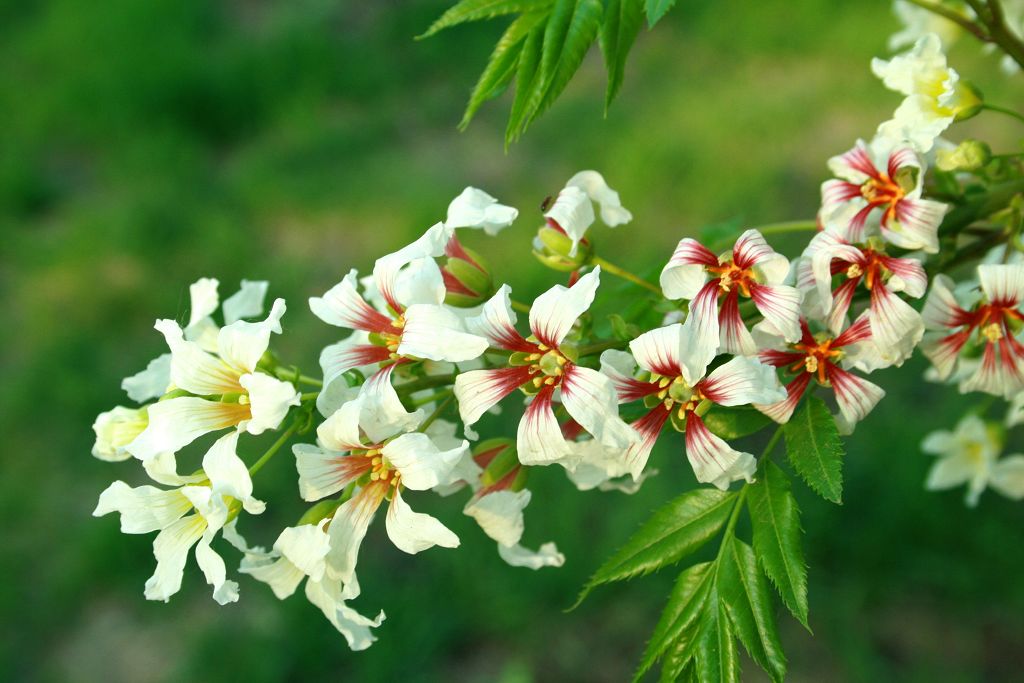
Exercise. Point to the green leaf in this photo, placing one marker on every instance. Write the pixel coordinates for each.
(742, 588)
(676, 630)
(815, 449)
(732, 423)
(671, 533)
(656, 9)
(776, 522)
(475, 10)
(716, 657)
(501, 66)
(622, 21)
(526, 68)
(570, 31)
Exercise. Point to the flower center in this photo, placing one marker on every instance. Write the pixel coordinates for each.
(882, 190)
(993, 332)
(674, 391)
(817, 357)
(548, 365)
(381, 470)
(730, 275)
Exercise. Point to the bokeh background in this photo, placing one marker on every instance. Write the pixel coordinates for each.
(146, 144)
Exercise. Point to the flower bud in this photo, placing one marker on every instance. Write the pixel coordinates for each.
(968, 101)
(969, 155)
(500, 462)
(553, 247)
(467, 277)
(117, 428)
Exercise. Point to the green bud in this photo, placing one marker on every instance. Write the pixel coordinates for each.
(325, 508)
(469, 282)
(552, 248)
(969, 101)
(969, 155)
(498, 457)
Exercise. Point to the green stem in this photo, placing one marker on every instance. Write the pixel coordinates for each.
(598, 347)
(999, 32)
(437, 413)
(309, 396)
(519, 306)
(274, 448)
(952, 15)
(290, 375)
(431, 398)
(1003, 110)
(426, 383)
(610, 267)
(738, 506)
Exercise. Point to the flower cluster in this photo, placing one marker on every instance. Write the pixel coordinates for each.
(431, 345)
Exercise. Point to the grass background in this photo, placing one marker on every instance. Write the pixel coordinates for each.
(147, 144)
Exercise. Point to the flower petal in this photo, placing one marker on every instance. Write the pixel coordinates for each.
(1008, 476)
(323, 472)
(142, 509)
(856, 396)
(247, 302)
(685, 273)
(573, 212)
(916, 225)
(593, 183)
(780, 305)
(203, 299)
(658, 350)
(177, 422)
(424, 284)
(556, 310)
(518, 556)
(422, 464)
(713, 460)
(327, 596)
(228, 474)
(701, 336)
(241, 344)
(590, 399)
(539, 439)
(348, 528)
(224, 591)
(305, 546)
(343, 306)
(437, 333)
(783, 410)
(149, 383)
(1003, 284)
(500, 514)
(741, 381)
(497, 323)
(413, 532)
(477, 391)
(383, 414)
(619, 367)
(192, 368)
(171, 548)
(734, 337)
(475, 208)
(269, 400)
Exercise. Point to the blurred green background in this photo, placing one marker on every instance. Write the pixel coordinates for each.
(145, 144)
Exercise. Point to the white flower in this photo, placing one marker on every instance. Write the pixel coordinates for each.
(299, 553)
(247, 302)
(573, 210)
(676, 377)
(411, 323)
(500, 515)
(752, 269)
(954, 325)
(191, 515)
(227, 388)
(588, 396)
(390, 464)
(896, 328)
(878, 188)
(475, 208)
(934, 94)
(970, 455)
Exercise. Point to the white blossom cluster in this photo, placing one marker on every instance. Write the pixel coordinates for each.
(429, 335)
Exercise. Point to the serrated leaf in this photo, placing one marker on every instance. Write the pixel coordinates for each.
(742, 588)
(716, 658)
(526, 69)
(656, 9)
(732, 423)
(776, 522)
(622, 21)
(815, 449)
(676, 630)
(673, 532)
(501, 66)
(571, 29)
(476, 10)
